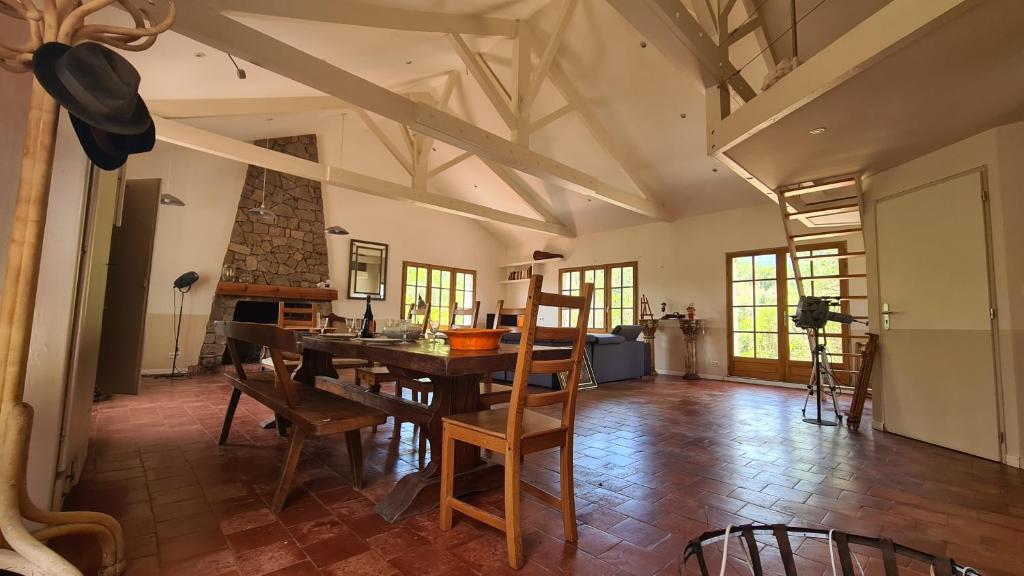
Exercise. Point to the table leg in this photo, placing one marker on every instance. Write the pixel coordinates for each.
(314, 363)
(420, 491)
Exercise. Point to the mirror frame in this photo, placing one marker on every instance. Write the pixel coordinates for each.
(352, 293)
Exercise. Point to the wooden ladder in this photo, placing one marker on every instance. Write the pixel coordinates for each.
(829, 208)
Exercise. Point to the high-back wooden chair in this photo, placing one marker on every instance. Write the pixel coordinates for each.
(503, 311)
(418, 309)
(518, 430)
(296, 315)
(311, 411)
(473, 312)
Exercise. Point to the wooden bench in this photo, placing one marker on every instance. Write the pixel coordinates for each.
(312, 412)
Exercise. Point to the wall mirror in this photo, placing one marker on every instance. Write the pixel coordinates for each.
(367, 270)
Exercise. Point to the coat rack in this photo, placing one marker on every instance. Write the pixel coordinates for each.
(22, 551)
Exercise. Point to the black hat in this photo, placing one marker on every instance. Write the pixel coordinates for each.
(99, 88)
(108, 150)
(95, 84)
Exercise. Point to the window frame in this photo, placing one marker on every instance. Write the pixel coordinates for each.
(452, 290)
(784, 368)
(606, 308)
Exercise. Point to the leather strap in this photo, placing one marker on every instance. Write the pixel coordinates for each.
(785, 549)
(755, 557)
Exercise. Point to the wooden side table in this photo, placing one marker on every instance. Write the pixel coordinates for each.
(692, 330)
(650, 330)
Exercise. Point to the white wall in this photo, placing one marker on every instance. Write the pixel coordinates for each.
(195, 237)
(678, 262)
(999, 151)
(191, 237)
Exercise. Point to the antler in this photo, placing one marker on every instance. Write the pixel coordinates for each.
(121, 37)
(18, 57)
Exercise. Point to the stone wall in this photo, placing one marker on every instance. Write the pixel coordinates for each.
(291, 250)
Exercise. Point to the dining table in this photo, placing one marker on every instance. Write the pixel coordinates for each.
(455, 376)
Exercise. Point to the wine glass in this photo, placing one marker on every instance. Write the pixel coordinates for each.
(432, 331)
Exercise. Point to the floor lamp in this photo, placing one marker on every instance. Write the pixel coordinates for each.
(183, 285)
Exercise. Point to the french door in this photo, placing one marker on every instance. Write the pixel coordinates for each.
(615, 289)
(762, 296)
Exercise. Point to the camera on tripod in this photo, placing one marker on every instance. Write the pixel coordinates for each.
(812, 312)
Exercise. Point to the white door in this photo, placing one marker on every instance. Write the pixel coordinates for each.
(937, 358)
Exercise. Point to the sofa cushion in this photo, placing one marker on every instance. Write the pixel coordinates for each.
(516, 337)
(607, 339)
(628, 331)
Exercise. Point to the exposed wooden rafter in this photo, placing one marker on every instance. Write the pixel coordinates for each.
(476, 69)
(609, 143)
(548, 56)
(388, 143)
(200, 21)
(524, 191)
(551, 117)
(448, 164)
(367, 14)
(676, 33)
(181, 134)
(222, 107)
(520, 86)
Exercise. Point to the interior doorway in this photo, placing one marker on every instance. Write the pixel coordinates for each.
(937, 333)
(124, 310)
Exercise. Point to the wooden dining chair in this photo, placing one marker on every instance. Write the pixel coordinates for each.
(502, 311)
(473, 312)
(518, 430)
(296, 315)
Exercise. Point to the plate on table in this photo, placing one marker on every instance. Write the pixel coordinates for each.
(338, 335)
(380, 340)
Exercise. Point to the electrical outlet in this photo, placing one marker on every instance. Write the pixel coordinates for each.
(716, 363)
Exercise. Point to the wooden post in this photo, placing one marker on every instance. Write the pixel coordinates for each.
(60, 21)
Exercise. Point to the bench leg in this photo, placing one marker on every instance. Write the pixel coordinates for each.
(291, 460)
(229, 415)
(354, 441)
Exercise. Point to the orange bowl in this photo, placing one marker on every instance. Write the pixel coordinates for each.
(475, 338)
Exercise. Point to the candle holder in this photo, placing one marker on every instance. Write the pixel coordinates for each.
(692, 329)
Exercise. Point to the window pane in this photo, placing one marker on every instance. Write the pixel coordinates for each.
(616, 276)
(574, 282)
(792, 295)
(627, 298)
(588, 276)
(421, 276)
(616, 297)
(766, 319)
(627, 316)
(599, 278)
(616, 317)
(742, 293)
(826, 288)
(410, 275)
(799, 348)
(767, 345)
(765, 292)
(790, 325)
(743, 319)
(598, 300)
(743, 345)
(764, 266)
(627, 276)
(825, 267)
(460, 281)
(743, 268)
(564, 320)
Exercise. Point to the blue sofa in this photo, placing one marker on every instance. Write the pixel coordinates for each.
(615, 356)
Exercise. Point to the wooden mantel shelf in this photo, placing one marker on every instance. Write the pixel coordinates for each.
(280, 292)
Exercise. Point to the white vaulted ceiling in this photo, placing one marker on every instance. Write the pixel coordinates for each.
(653, 110)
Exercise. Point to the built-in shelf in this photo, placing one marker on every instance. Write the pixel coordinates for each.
(520, 281)
(531, 262)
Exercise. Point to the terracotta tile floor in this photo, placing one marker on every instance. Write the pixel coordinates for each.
(657, 463)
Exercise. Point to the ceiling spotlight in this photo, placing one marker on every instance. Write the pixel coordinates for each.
(336, 230)
(199, 54)
(171, 200)
(683, 115)
(819, 130)
(643, 43)
(238, 71)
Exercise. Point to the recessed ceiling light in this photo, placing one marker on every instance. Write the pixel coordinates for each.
(683, 115)
(408, 61)
(819, 130)
(200, 54)
(643, 43)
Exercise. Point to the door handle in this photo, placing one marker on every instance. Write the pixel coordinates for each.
(886, 313)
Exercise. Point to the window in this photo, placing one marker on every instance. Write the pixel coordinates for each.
(763, 342)
(442, 287)
(614, 301)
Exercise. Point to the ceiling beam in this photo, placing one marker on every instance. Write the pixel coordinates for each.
(388, 143)
(476, 70)
(742, 30)
(611, 144)
(676, 33)
(366, 14)
(220, 107)
(551, 117)
(428, 143)
(180, 134)
(448, 164)
(199, 21)
(548, 56)
(524, 191)
(520, 85)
